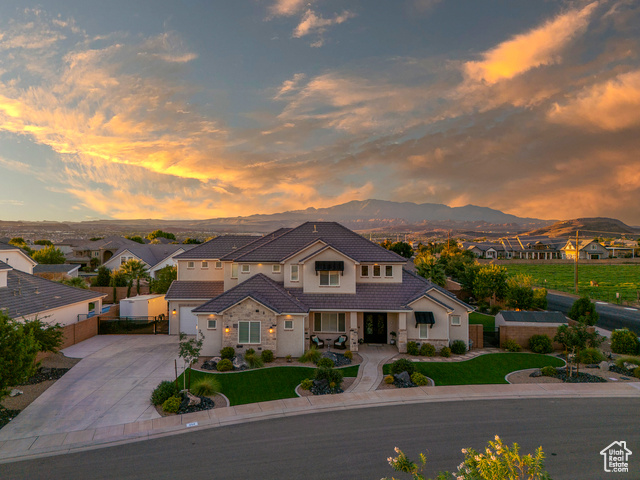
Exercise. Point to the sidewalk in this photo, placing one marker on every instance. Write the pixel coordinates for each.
(60, 443)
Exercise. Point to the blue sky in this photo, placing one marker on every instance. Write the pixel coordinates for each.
(199, 109)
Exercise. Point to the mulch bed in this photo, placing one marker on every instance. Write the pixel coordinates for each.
(215, 401)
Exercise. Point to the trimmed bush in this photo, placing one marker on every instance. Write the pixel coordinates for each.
(458, 347)
(325, 362)
(412, 348)
(306, 384)
(419, 379)
(224, 365)
(445, 352)
(636, 372)
(171, 405)
(267, 356)
(511, 345)
(590, 355)
(388, 379)
(620, 361)
(548, 371)
(164, 391)
(227, 352)
(427, 350)
(253, 360)
(331, 375)
(311, 355)
(540, 344)
(249, 351)
(348, 354)
(402, 365)
(205, 386)
(624, 342)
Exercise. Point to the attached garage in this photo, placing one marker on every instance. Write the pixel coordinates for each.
(188, 321)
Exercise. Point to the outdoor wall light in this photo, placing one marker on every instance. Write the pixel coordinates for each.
(271, 330)
(226, 330)
(173, 312)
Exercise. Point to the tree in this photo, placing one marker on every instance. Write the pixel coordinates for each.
(134, 270)
(164, 277)
(575, 338)
(386, 244)
(18, 350)
(402, 248)
(160, 233)
(428, 267)
(136, 238)
(191, 241)
(48, 336)
(43, 242)
(584, 310)
(540, 298)
(189, 352)
(519, 293)
(77, 282)
(49, 255)
(490, 280)
(104, 277)
(20, 243)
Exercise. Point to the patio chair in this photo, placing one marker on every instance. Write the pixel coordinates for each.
(341, 342)
(315, 340)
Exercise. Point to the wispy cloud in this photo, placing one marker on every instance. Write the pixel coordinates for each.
(312, 23)
(288, 8)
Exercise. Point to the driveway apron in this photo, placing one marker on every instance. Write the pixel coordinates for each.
(111, 385)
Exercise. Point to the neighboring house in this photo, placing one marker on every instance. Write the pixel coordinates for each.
(56, 272)
(484, 249)
(84, 250)
(622, 248)
(153, 256)
(533, 247)
(321, 279)
(17, 258)
(26, 296)
(587, 250)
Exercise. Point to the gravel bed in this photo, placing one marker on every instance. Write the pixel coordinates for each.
(346, 383)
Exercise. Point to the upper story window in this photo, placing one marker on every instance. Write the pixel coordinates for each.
(376, 270)
(594, 246)
(388, 271)
(124, 259)
(234, 270)
(218, 265)
(191, 264)
(245, 268)
(329, 279)
(364, 271)
(276, 268)
(205, 264)
(295, 273)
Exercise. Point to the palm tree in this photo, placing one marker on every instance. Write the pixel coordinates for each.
(428, 267)
(134, 270)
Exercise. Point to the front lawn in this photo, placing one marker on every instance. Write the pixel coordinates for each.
(263, 384)
(488, 321)
(485, 369)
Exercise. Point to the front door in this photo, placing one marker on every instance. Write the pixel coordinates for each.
(375, 328)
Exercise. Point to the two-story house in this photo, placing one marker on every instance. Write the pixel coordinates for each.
(277, 291)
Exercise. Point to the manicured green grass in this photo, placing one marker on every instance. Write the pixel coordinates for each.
(263, 384)
(488, 321)
(485, 369)
(624, 279)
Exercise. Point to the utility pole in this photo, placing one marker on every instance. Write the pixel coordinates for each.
(575, 274)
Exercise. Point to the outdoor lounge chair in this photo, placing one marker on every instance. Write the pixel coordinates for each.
(315, 340)
(341, 342)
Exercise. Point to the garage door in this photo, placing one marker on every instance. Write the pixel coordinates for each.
(188, 321)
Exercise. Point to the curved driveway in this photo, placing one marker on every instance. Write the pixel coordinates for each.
(111, 385)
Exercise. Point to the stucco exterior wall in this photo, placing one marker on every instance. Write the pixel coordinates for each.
(290, 342)
(17, 260)
(395, 278)
(67, 315)
(438, 334)
(198, 273)
(212, 336)
(311, 280)
(456, 332)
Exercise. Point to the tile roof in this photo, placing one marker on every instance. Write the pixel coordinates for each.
(533, 317)
(56, 268)
(192, 290)
(5, 266)
(216, 248)
(290, 242)
(263, 290)
(152, 254)
(232, 255)
(27, 294)
(7, 246)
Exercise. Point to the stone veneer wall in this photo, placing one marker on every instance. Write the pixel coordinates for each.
(249, 310)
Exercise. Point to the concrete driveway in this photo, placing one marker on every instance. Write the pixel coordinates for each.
(111, 385)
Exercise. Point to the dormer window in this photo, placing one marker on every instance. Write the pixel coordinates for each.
(295, 273)
(245, 268)
(276, 268)
(388, 271)
(234, 270)
(329, 279)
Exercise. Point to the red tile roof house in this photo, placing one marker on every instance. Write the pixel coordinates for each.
(274, 292)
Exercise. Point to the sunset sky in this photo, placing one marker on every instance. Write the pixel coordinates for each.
(216, 108)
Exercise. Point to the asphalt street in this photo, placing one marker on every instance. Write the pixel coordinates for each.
(611, 316)
(356, 443)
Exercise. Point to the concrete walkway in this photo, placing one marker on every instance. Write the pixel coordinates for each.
(370, 371)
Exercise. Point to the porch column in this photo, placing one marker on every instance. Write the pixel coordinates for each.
(402, 332)
(353, 331)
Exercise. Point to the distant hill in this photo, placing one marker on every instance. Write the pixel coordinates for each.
(593, 227)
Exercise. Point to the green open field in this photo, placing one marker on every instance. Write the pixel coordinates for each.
(624, 279)
(488, 321)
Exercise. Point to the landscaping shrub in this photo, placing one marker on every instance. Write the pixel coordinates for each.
(267, 356)
(325, 362)
(227, 352)
(624, 342)
(494, 310)
(205, 386)
(511, 345)
(548, 371)
(412, 348)
(348, 354)
(427, 350)
(541, 344)
(311, 355)
(253, 360)
(224, 365)
(329, 374)
(402, 365)
(419, 379)
(590, 355)
(445, 352)
(636, 372)
(620, 361)
(250, 351)
(458, 347)
(306, 384)
(483, 307)
(388, 379)
(172, 404)
(164, 391)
